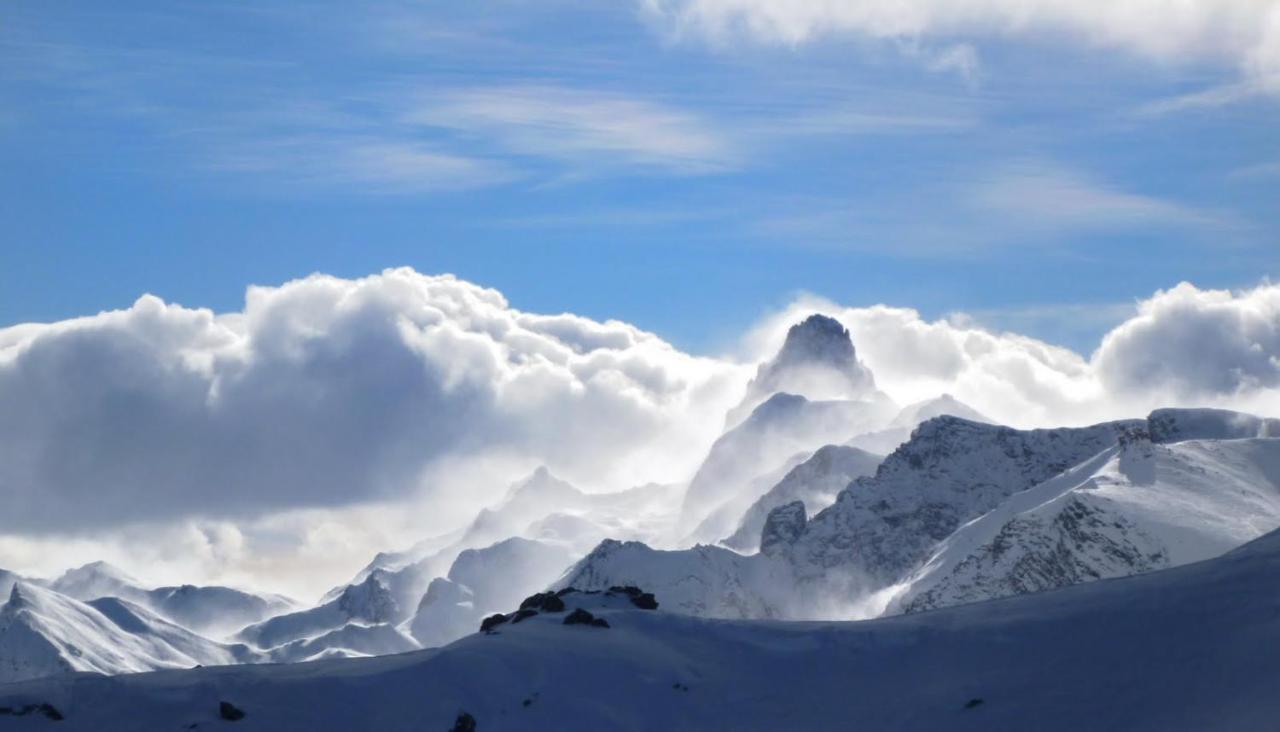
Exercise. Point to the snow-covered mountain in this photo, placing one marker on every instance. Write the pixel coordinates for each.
(540, 507)
(1139, 506)
(815, 483)
(1180, 649)
(213, 610)
(44, 632)
(98, 579)
(365, 604)
(707, 581)
(880, 528)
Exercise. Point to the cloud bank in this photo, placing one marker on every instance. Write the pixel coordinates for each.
(331, 418)
(327, 392)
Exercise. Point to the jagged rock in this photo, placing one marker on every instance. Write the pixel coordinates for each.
(645, 601)
(639, 598)
(370, 601)
(45, 708)
(782, 527)
(488, 624)
(230, 712)
(547, 602)
(817, 349)
(464, 723)
(523, 615)
(582, 617)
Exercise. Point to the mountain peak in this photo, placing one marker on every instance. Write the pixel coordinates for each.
(541, 484)
(817, 360)
(370, 600)
(817, 339)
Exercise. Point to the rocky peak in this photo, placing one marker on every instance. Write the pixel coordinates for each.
(817, 360)
(782, 527)
(370, 601)
(813, 346)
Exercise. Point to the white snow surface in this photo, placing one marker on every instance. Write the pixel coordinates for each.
(1180, 649)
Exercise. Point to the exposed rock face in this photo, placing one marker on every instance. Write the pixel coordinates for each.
(583, 617)
(818, 360)
(229, 712)
(950, 472)
(369, 601)
(817, 343)
(1136, 507)
(782, 527)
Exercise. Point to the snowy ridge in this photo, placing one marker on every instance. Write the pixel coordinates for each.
(1029, 662)
(367, 603)
(43, 632)
(706, 581)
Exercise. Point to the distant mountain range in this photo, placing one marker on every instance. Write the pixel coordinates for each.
(821, 500)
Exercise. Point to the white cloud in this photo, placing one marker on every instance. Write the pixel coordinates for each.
(1182, 347)
(1243, 33)
(1193, 343)
(326, 392)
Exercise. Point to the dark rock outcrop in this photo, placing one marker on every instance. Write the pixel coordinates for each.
(488, 624)
(582, 617)
(782, 527)
(229, 712)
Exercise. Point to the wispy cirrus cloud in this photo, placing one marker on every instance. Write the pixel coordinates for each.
(580, 127)
(373, 164)
(1039, 193)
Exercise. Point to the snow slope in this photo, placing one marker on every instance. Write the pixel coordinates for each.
(708, 581)
(43, 632)
(1134, 508)
(1181, 649)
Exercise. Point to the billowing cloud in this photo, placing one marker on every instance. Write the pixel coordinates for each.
(326, 392)
(1243, 33)
(1183, 347)
(1194, 343)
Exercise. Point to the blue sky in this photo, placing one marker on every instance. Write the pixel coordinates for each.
(611, 160)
